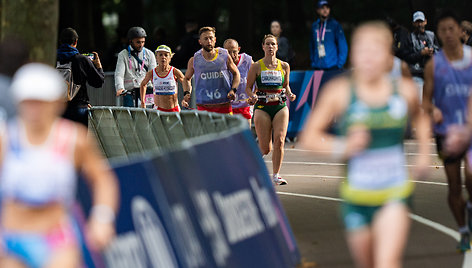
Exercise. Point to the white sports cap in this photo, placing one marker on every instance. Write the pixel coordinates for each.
(418, 15)
(37, 81)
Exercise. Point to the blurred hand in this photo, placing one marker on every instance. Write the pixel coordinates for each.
(421, 169)
(457, 140)
(357, 140)
(99, 234)
(143, 105)
(437, 115)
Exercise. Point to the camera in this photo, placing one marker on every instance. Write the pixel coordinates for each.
(91, 56)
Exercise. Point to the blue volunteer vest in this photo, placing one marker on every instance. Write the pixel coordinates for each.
(212, 78)
(452, 87)
(243, 66)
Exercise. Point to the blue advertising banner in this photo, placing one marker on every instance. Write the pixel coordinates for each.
(307, 85)
(206, 205)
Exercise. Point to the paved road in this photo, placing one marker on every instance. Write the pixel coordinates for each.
(312, 205)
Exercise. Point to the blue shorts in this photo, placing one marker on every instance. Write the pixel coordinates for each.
(35, 249)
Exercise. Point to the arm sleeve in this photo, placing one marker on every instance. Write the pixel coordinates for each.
(342, 46)
(120, 72)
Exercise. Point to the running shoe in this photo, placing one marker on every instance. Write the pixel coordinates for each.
(279, 181)
(464, 243)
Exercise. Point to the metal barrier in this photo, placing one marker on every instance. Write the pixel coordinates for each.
(188, 182)
(106, 95)
(126, 132)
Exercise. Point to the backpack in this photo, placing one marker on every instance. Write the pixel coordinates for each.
(66, 71)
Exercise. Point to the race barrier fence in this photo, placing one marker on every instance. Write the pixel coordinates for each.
(305, 84)
(195, 192)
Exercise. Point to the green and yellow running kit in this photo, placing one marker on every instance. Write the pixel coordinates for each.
(378, 175)
(270, 84)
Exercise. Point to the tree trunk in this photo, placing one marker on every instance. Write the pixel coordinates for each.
(35, 22)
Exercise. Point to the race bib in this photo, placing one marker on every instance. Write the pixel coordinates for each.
(321, 50)
(377, 169)
(149, 100)
(271, 77)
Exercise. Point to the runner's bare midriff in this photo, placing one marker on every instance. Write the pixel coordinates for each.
(18, 216)
(166, 101)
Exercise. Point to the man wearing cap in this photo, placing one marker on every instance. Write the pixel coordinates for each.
(132, 65)
(328, 46)
(84, 71)
(421, 46)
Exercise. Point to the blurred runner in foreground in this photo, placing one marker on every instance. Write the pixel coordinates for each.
(40, 157)
(372, 111)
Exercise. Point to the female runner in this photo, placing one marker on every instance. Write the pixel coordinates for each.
(40, 156)
(270, 110)
(372, 111)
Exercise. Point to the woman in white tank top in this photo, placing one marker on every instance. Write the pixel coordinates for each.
(40, 156)
(164, 79)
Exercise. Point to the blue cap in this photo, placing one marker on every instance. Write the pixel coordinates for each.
(322, 3)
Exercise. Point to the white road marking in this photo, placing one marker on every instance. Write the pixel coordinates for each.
(328, 152)
(341, 177)
(340, 164)
(438, 227)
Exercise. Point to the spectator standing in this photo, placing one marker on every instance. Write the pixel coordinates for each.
(285, 52)
(131, 67)
(188, 45)
(84, 70)
(400, 38)
(422, 44)
(328, 46)
(466, 32)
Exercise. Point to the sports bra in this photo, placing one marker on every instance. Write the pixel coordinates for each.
(39, 174)
(164, 85)
(270, 80)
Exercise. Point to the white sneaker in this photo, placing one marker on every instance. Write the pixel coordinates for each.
(279, 181)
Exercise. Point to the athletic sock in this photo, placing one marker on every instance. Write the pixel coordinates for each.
(275, 176)
(463, 230)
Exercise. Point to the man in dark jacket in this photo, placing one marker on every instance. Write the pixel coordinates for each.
(422, 44)
(84, 70)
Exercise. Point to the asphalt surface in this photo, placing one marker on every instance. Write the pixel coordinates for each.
(311, 202)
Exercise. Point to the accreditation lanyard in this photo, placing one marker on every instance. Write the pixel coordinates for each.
(131, 63)
(323, 32)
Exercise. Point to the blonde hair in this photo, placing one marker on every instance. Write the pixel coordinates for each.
(269, 36)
